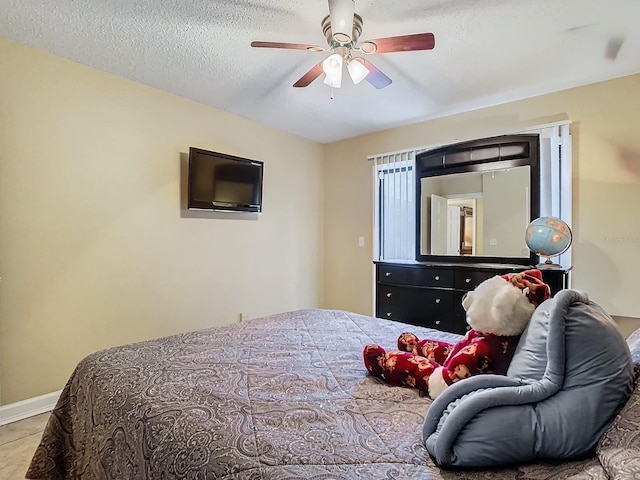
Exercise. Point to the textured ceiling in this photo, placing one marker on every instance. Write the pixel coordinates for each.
(487, 52)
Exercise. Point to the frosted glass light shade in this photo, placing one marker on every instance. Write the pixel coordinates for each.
(357, 70)
(333, 81)
(332, 67)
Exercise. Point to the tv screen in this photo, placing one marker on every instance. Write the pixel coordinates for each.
(218, 181)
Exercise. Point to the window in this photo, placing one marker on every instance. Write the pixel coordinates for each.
(395, 211)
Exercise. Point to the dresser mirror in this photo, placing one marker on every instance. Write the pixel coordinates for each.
(476, 199)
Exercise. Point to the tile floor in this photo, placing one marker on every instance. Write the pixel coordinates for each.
(18, 441)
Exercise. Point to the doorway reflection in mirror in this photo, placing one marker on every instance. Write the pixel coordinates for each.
(475, 213)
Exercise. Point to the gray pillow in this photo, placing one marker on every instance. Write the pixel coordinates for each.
(530, 358)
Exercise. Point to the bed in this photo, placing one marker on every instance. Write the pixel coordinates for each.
(281, 397)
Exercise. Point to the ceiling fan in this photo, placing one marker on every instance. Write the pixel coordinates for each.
(342, 28)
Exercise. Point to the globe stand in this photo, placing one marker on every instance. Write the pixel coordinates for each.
(548, 264)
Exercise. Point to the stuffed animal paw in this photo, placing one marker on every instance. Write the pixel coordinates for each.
(398, 367)
(434, 350)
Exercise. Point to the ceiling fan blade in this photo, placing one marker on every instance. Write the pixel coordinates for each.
(294, 46)
(341, 15)
(403, 43)
(376, 77)
(310, 76)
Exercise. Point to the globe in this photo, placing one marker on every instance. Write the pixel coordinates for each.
(548, 237)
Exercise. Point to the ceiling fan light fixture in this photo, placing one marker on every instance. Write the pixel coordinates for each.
(332, 65)
(357, 70)
(341, 13)
(334, 81)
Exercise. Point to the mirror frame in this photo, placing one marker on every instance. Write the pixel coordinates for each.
(483, 155)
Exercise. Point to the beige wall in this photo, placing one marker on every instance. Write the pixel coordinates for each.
(606, 154)
(95, 249)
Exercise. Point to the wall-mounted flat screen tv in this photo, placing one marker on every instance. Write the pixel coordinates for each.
(218, 181)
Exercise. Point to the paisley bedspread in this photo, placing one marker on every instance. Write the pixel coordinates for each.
(281, 397)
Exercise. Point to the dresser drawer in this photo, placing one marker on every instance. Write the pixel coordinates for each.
(470, 279)
(402, 298)
(420, 276)
(429, 307)
(416, 306)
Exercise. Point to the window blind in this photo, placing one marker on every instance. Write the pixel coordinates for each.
(395, 206)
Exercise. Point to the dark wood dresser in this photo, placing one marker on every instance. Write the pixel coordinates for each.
(430, 294)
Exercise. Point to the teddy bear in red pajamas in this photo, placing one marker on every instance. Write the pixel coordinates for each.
(498, 310)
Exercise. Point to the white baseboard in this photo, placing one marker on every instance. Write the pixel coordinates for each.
(28, 408)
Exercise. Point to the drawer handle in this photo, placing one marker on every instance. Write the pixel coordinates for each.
(389, 295)
(388, 314)
(387, 274)
(437, 300)
(468, 280)
(437, 322)
(437, 277)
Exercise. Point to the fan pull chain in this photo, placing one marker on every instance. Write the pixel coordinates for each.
(331, 96)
